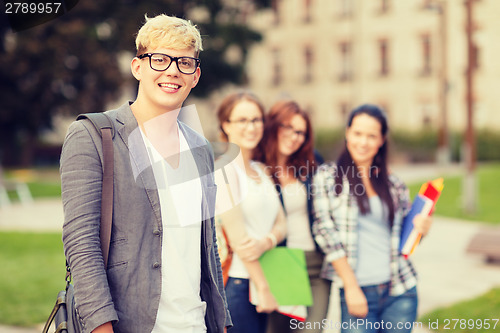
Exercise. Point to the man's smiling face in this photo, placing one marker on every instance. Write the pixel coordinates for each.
(165, 90)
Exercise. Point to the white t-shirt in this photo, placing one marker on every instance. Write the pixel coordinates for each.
(181, 308)
(297, 218)
(260, 207)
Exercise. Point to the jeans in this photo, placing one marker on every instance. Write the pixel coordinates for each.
(395, 314)
(245, 317)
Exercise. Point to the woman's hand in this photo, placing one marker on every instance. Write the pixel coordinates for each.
(356, 301)
(422, 223)
(251, 249)
(267, 302)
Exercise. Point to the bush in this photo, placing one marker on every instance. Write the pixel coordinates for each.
(418, 146)
(329, 143)
(413, 147)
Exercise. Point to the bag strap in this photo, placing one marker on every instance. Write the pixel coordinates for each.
(105, 128)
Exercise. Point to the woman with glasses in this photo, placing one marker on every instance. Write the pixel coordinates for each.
(257, 224)
(290, 156)
(359, 207)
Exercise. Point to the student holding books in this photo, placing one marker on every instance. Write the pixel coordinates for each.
(289, 155)
(359, 207)
(255, 225)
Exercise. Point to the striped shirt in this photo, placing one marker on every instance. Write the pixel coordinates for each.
(335, 227)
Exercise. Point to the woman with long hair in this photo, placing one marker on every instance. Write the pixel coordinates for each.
(359, 207)
(290, 157)
(257, 224)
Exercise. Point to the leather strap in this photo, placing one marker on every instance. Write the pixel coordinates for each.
(106, 129)
(107, 193)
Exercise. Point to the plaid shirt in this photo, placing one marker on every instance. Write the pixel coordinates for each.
(335, 227)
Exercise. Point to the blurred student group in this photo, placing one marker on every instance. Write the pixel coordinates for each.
(290, 223)
(287, 218)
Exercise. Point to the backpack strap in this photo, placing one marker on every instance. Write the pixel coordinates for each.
(99, 120)
(105, 128)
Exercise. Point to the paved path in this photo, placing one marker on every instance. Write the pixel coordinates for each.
(10, 329)
(447, 273)
(42, 215)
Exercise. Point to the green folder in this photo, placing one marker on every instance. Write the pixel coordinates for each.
(286, 273)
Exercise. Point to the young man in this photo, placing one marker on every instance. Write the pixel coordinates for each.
(163, 272)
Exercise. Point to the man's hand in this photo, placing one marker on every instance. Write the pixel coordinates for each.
(422, 223)
(356, 301)
(104, 328)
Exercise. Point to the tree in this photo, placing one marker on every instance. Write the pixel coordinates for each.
(70, 65)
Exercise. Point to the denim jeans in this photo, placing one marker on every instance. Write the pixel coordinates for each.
(245, 317)
(395, 314)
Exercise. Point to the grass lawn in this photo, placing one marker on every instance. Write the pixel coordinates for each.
(41, 189)
(450, 202)
(42, 182)
(472, 315)
(32, 264)
(32, 272)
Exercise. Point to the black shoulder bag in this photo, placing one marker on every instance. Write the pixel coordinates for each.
(64, 312)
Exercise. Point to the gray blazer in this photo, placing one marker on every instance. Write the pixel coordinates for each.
(128, 292)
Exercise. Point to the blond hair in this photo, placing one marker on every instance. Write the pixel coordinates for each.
(168, 31)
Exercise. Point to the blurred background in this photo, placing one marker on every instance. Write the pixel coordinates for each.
(431, 64)
(431, 68)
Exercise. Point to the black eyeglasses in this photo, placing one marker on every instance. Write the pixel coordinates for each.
(161, 62)
(289, 131)
(243, 123)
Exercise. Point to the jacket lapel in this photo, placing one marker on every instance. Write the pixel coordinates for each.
(129, 132)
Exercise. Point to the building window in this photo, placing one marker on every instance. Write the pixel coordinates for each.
(309, 109)
(426, 115)
(277, 67)
(426, 4)
(383, 49)
(476, 57)
(426, 47)
(345, 8)
(309, 60)
(385, 107)
(384, 6)
(276, 4)
(345, 61)
(345, 109)
(307, 18)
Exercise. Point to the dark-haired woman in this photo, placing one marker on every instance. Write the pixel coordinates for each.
(359, 206)
(289, 155)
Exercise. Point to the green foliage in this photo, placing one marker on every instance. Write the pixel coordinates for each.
(418, 146)
(71, 64)
(32, 274)
(450, 202)
(421, 146)
(329, 143)
(488, 143)
(474, 313)
(415, 147)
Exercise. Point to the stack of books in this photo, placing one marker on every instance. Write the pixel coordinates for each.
(423, 204)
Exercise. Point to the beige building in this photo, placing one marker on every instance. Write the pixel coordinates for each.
(332, 55)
